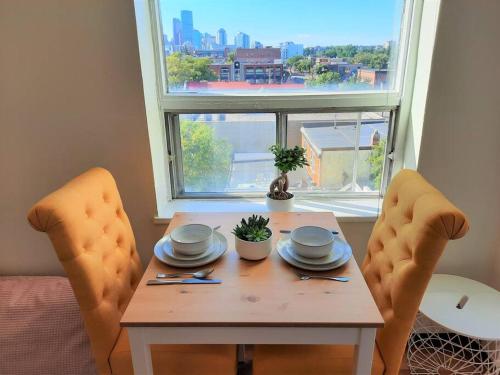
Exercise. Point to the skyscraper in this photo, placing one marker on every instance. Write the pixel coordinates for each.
(221, 37)
(197, 37)
(242, 40)
(208, 41)
(290, 49)
(187, 26)
(177, 32)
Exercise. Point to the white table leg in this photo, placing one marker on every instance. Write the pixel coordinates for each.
(141, 352)
(363, 354)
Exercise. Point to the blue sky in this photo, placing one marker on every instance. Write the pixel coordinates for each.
(313, 22)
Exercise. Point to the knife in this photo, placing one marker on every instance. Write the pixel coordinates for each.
(184, 281)
(288, 231)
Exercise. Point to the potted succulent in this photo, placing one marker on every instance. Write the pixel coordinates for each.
(253, 238)
(286, 160)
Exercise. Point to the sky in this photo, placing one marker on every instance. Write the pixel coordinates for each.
(309, 22)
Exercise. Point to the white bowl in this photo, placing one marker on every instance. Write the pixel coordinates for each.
(253, 250)
(191, 239)
(312, 242)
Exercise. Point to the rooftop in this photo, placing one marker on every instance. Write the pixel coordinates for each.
(252, 53)
(325, 137)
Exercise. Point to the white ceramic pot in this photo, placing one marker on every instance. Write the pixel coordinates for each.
(254, 250)
(277, 205)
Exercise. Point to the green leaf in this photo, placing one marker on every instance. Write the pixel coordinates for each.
(253, 229)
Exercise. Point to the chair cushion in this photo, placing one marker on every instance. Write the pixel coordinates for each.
(309, 360)
(177, 359)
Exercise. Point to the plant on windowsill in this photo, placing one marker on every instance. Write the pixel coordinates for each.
(286, 160)
(253, 238)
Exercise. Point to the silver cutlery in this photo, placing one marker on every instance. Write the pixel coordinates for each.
(216, 228)
(304, 276)
(183, 281)
(288, 231)
(202, 274)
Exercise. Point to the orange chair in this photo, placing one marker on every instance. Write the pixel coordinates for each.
(406, 242)
(94, 241)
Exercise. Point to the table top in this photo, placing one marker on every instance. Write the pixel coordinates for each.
(479, 317)
(254, 293)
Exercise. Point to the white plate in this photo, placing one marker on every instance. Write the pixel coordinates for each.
(169, 250)
(335, 254)
(343, 247)
(219, 246)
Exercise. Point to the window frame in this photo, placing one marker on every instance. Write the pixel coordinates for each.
(171, 104)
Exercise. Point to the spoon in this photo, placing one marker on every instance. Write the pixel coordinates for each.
(304, 276)
(202, 274)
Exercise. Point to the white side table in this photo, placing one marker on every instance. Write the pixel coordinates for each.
(457, 330)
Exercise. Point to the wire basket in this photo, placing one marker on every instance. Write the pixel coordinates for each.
(434, 350)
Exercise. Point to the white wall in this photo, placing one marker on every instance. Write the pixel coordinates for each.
(460, 146)
(70, 98)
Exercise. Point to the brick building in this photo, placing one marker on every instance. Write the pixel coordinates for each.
(375, 77)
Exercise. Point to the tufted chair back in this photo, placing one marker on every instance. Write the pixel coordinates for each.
(406, 242)
(93, 239)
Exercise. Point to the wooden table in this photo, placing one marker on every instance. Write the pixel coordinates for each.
(259, 302)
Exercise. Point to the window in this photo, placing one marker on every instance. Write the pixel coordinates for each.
(228, 153)
(223, 153)
(234, 80)
(345, 151)
(280, 46)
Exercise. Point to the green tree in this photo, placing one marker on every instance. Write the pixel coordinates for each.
(300, 63)
(347, 51)
(309, 51)
(294, 60)
(375, 60)
(324, 79)
(206, 160)
(230, 57)
(304, 66)
(320, 69)
(185, 68)
(376, 160)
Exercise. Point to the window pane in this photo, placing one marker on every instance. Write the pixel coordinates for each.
(280, 46)
(345, 150)
(223, 153)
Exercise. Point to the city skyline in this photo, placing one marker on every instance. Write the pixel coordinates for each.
(331, 24)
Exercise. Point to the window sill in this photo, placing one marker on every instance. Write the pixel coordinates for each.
(346, 210)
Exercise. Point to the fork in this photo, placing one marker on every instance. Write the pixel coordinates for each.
(304, 276)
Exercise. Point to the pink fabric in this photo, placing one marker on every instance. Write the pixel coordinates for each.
(41, 330)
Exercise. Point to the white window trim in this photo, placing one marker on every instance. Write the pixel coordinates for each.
(291, 103)
(345, 209)
(157, 102)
